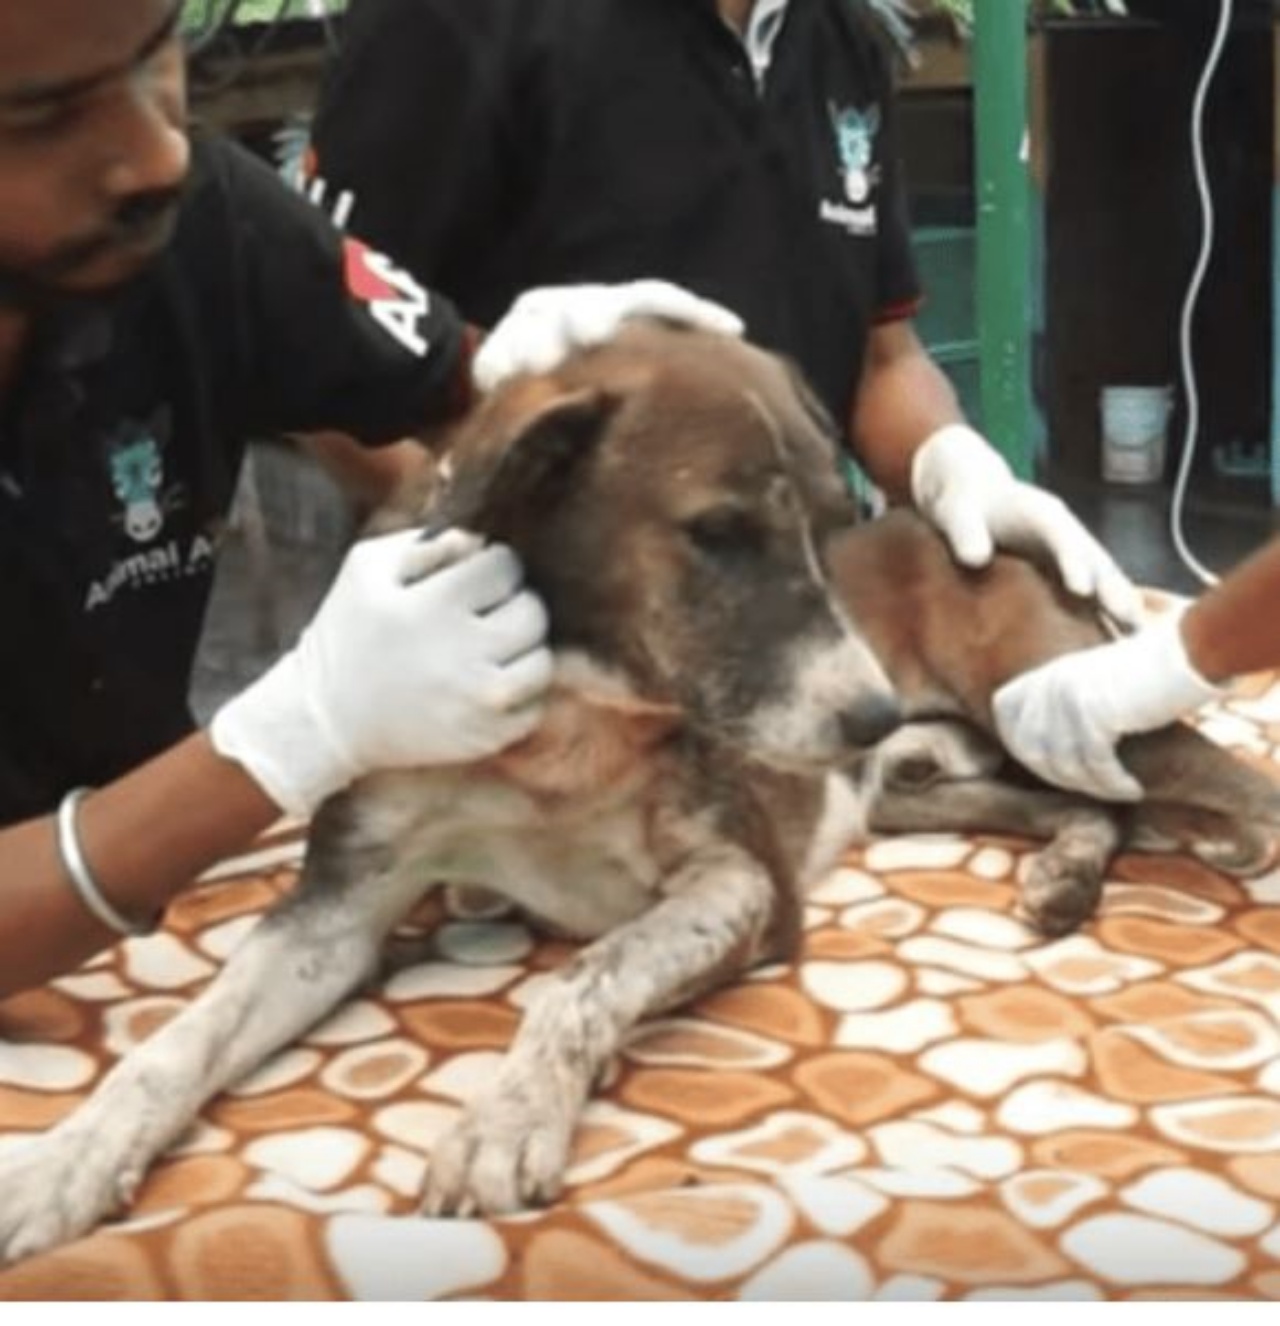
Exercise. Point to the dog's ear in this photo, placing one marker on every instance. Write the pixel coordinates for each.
(488, 486)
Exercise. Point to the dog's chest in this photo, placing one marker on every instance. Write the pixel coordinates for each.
(583, 882)
(583, 866)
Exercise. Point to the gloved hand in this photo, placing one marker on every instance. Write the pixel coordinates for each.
(424, 652)
(1062, 720)
(963, 486)
(545, 326)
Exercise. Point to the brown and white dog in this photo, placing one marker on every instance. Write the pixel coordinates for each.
(950, 638)
(714, 739)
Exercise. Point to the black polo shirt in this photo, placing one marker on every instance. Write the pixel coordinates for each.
(120, 446)
(498, 144)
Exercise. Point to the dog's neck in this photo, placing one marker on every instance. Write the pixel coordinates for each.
(595, 738)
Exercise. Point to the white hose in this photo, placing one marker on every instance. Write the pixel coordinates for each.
(1190, 387)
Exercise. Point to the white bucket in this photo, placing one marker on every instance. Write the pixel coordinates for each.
(1135, 424)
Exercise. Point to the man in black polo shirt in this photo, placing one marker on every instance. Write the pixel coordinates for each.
(743, 148)
(160, 300)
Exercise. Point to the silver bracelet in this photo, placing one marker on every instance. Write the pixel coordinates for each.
(81, 876)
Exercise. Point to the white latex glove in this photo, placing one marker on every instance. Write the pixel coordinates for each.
(424, 652)
(964, 487)
(545, 326)
(1062, 720)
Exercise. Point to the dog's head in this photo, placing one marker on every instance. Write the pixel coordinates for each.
(669, 494)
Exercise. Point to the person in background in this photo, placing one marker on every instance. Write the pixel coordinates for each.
(746, 149)
(162, 298)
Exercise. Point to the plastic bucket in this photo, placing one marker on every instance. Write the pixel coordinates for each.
(1135, 426)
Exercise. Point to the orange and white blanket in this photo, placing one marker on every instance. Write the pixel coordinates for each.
(932, 1104)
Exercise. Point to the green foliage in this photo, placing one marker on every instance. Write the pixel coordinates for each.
(961, 11)
(199, 15)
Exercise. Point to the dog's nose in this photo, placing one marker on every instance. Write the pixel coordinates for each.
(870, 720)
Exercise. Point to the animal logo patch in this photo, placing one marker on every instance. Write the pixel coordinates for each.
(135, 462)
(159, 549)
(856, 132)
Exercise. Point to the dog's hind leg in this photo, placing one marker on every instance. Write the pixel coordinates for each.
(511, 1147)
(1202, 799)
(1064, 880)
(1178, 764)
(292, 969)
(1222, 842)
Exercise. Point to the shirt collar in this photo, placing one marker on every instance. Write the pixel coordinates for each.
(763, 29)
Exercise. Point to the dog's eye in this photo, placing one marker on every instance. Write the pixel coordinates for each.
(727, 530)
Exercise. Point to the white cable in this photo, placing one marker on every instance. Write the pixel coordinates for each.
(1193, 295)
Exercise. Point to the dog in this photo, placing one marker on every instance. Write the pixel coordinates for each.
(950, 638)
(739, 696)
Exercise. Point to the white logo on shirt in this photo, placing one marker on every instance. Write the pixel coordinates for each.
(179, 559)
(855, 133)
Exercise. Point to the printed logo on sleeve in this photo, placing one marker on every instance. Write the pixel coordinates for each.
(396, 302)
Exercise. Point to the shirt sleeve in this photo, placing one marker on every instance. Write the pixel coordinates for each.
(408, 147)
(898, 293)
(333, 334)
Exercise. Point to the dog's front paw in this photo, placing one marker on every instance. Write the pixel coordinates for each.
(1062, 891)
(509, 1151)
(52, 1190)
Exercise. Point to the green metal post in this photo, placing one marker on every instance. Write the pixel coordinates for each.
(1004, 226)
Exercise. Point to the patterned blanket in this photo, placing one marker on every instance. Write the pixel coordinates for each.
(932, 1104)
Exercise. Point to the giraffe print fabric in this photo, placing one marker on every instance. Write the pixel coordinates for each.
(933, 1103)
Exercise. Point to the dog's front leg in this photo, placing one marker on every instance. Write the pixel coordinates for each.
(293, 968)
(511, 1147)
(1064, 880)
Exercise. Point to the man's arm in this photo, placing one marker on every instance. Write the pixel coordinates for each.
(146, 837)
(424, 652)
(913, 437)
(904, 398)
(1234, 629)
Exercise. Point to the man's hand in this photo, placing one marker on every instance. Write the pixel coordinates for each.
(424, 652)
(1063, 720)
(964, 487)
(547, 325)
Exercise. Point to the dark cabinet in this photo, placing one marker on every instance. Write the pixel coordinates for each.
(1123, 229)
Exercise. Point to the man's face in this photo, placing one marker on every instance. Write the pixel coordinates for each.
(93, 147)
